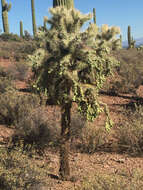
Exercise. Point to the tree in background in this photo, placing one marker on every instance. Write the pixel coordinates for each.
(72, 67)
(68, 3)
(33, 18)
(5, 9)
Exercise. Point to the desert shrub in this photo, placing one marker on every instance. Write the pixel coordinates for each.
(77, 124)
(5, 84)
(130, 132)
(10, 37)
(18, 71)
(92, 138)
(114, 181)
(37, 128)
(129, 74)
(5, 81)
(18, 171)
(13, 106)
(27, 35)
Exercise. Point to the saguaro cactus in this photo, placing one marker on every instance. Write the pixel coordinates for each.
(94, 15)
(5, 9)
(21, 29)
(45, 23)
(33, 18)
(129, 37)
(68, 3)
(121, 40)
(131, 41)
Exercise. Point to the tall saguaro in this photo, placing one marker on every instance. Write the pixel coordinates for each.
(94, 15)
(21, 29)
(129, 36)
(5, 9)
(33, 18)
(68, 3)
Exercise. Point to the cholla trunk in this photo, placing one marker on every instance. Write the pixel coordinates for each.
(64, 170)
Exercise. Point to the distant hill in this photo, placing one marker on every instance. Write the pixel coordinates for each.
(139, 42)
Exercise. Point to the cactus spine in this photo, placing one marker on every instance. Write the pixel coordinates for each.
(33, 18)
(21, 29)
(68, 3)
(5, 9)
(94, 15)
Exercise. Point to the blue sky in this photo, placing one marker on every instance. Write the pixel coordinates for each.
(112, 12)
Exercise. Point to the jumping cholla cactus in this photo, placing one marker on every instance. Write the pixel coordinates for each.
(33, 18)
(68, 3)
(5, 9)
(74, 70)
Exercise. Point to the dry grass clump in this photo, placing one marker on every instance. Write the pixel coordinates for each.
(130, 132)
(114, 181)
(19, 172)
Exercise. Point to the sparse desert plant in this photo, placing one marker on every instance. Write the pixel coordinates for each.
(5, 81)
(37, 128)
(114, 181)
(18, 71)
(129, 74)
(92, 138)
(18, 171)
(130, 132)
(5, 84)
(14, 106)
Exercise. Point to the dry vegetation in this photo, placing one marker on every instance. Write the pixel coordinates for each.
(29, 131)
